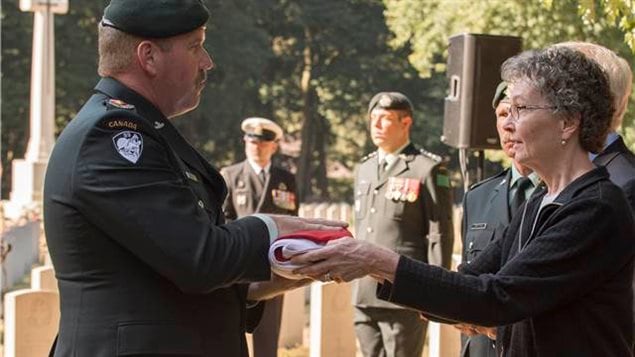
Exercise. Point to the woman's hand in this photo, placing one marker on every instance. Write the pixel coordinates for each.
(345, 259)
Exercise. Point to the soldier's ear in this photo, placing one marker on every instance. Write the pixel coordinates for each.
(148, 57)
(407, 120)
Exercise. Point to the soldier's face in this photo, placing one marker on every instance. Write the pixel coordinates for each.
(389, 129)
(185, 70)
(502, 111)
(260, 151)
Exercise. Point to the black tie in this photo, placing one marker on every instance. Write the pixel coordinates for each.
(519, 196)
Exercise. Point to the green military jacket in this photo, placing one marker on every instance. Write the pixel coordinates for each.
(406, 208)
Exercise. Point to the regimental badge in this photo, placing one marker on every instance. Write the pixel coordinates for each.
(385, 101)
(129, 144)
(241, 199)
(118, 104)
(158, 125)
(402, 189)
(284, 199)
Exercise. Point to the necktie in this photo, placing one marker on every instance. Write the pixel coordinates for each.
(262, 177)
(522, 185)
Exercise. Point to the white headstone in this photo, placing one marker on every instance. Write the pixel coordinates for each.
(31, 320)
(331, 324)
(43, 278)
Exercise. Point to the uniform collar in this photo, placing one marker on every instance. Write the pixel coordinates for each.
(533, 177)
(117, 90)
(257, 168)
(391, 157)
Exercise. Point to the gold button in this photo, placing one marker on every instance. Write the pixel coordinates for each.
(375, 192)
(369, 230)
(373, 210)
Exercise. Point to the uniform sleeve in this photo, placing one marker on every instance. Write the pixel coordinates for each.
(572, 257)
(129, 184)
(228, 206)
(441, 235)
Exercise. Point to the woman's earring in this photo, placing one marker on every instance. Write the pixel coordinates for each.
(563, 142)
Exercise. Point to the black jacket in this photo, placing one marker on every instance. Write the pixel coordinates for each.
(558, 284)
(620, 163)
(133, 222)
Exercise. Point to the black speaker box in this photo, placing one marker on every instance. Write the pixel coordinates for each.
(474, 62)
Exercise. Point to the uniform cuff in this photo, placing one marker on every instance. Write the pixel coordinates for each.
(271, 226)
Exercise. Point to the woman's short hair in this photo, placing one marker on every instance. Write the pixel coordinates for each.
(117, 50)
(571, 82)
(616, 68)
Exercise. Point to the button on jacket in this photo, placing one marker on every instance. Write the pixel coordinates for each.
(133, 223)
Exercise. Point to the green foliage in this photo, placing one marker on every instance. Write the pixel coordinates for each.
(425, 26)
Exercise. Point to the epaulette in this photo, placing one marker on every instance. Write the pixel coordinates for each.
(118, 104)
(430, 155)
(369, 156)
(477, 184)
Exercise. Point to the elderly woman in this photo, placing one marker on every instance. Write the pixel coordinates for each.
(559, 281)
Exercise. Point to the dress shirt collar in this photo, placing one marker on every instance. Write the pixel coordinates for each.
(533, 177)
(257, 168)
(391, 157)
(610, 139)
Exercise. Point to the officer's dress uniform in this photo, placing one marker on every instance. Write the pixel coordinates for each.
(486, 214)
(133, 223)
(405, 207)
(248, 195)
(620, 163)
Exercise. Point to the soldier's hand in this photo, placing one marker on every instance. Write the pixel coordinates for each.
(290, 224)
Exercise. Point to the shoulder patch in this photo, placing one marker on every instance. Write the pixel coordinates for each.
(129, 144)
(369, 156)
(430, 155)
(118, 104)
(119, 123)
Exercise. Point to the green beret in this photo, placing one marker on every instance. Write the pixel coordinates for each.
(155, 18)
(391, 101)
(501, 93)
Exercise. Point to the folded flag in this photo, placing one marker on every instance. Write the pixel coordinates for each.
(286, 247)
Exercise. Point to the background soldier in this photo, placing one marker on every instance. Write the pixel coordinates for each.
(487, 210)
(255, 186)
(402, 201)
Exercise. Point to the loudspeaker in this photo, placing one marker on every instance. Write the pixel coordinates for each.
(474, 62)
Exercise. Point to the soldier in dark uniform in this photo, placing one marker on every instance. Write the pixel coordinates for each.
(132, 212)
(256, 186)
(402, 201)
(616, 157)
(487, 210)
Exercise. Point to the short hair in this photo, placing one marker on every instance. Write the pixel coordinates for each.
(572, 83)
(117, 50)
(616, 68)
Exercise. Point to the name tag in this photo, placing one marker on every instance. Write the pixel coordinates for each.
(478, 226)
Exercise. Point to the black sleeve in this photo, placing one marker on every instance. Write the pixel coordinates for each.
(560, 264)
(148, 207)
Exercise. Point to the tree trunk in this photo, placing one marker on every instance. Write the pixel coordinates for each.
(312, 182)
